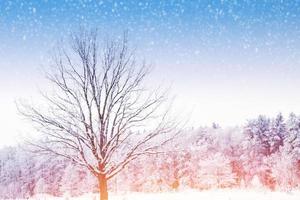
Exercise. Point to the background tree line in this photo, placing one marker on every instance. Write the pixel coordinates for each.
(264, 152)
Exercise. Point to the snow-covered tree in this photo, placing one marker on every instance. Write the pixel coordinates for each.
(80, 182)
(278, 133)
(215, 171)
(292, 139)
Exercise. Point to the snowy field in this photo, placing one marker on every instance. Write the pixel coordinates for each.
(191, 195)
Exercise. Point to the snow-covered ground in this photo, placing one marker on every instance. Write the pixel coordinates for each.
(191, 195)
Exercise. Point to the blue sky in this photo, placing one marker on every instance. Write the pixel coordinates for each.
(227, 61)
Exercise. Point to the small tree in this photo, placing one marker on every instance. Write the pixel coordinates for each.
(100, 115)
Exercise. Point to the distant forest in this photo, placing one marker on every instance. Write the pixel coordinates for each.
(265, 152)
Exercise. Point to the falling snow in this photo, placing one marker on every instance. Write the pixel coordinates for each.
(228, 61)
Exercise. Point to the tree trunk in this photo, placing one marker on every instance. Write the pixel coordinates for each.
(102, 184)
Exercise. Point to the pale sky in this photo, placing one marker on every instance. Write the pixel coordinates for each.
(227, 61)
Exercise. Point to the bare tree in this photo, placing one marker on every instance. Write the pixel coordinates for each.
(100, 115)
